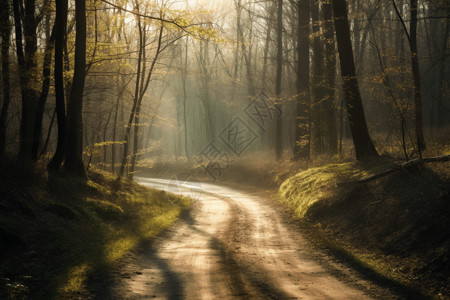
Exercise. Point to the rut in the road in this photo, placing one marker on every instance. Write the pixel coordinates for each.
(231, 245)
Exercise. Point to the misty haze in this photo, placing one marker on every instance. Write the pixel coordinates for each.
(226, 149)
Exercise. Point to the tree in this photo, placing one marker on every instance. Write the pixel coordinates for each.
(364, 147)
(140, 96)
(5, 32)
(317, 81)
(412, 39)
(302, 145)
(279, 122)
(60, 39)
(74, 145)
(26, 56)
(329, 112)
(43, 95)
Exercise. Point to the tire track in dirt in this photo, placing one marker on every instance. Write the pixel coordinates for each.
(229, 246)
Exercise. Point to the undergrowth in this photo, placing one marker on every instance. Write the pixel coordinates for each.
(396, 227)
(57, 230)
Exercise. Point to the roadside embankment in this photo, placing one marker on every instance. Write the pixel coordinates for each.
(396, 227)
(56, 231)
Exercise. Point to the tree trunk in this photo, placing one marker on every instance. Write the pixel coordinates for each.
(27, 69)
(135, 101)
(238, 45)
(441, 92)
(60, 38)
(142, 91)
(267, 45)
(412, 39)
(317, 81)
(364, 147)
(74, 147)
(184, 78)
(5, 31)
(114, 133)
(329, 113)
(105, 136)
(279, 123)
(416, 74)
(302, 146)
(37, 134)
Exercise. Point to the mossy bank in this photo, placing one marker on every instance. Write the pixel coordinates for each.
(397, 227)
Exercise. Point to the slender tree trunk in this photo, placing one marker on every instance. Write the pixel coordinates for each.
(114, 134)
(412, 39)
(416, 74)
(142, 91)
(5, 31)
(184, 78)
(27, 67)
(60, 39)
(238, 46)
(74, 148)
(245, 53)
(317, 82)
(135, 102)
(364, 147)
(440, 118)
(279, 122)
(49, 132)
(205, 95)
(105, 133)
(302, 145)
(330, 80)
(267, 46)
(37, 134)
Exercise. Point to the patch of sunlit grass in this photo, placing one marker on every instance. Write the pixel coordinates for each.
(76, 278)
(155, 225)
(307, 187)
(117, 248)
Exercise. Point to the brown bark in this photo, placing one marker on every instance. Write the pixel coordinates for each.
(364, 147)
(139, 104)
(329, 112)
(26, 55)
(279, 123)
(317, 81)
(74, 146)
(302, 145)
(37, 134)
(412, 39)
(5, 31)
(60, 38)
(416, 74)
(135, 101)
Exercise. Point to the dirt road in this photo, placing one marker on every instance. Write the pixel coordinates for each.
(232, 245)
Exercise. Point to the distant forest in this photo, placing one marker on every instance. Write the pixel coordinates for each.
(120, 84)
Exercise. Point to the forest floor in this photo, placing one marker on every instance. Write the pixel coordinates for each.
(58, 231)
(395, 229)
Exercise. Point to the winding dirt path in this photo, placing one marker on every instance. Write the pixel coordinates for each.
(231, 245)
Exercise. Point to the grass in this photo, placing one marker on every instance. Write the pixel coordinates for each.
(56, 230)
(395, 229)
(316, 184)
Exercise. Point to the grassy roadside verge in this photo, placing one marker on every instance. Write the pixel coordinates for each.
(394, 229)
(56, 231)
